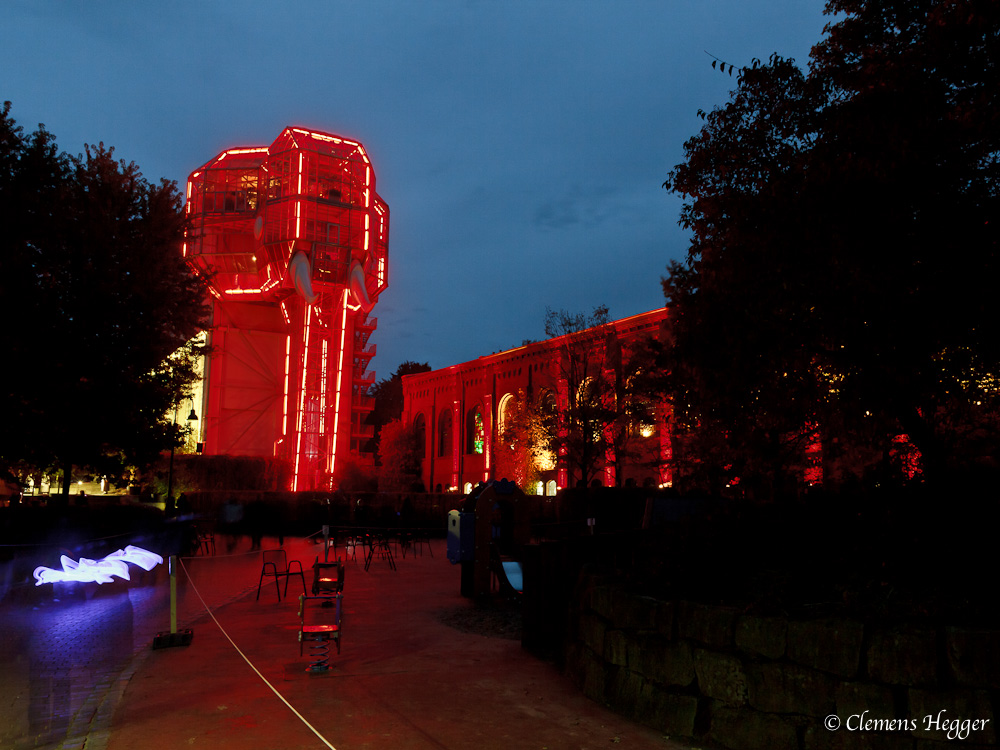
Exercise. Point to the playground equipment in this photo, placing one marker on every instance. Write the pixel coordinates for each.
(485, 536)
(319, 624)
(320, 614)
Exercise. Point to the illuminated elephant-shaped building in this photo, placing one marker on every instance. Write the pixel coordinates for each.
(294, 240)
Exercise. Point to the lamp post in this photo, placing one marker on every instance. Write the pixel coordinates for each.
(192, 417)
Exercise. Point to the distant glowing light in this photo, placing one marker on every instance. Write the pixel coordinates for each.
(266, 286)
(340, 376)
(98, 571)
(237, 151)
(288, 349)
(317, 136)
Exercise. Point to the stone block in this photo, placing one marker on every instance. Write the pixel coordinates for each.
(663, 661)
(903, 656)
(623, 691)
(783, 688)
(595, 676)
(973, 656)
(601, 597)
(706, 624)
(854, 698)
(721, 676)
(669, 713)
(745, 729)
(831, 645)
(634, 612)
(766, 636)
(592, 630)
(616, 647)
(939, 712)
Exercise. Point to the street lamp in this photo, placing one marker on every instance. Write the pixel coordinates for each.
(192, 417)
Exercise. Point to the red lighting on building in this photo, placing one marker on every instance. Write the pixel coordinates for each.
(294, 240)
(461, 410)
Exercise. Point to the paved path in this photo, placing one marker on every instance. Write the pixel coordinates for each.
(67, 651)
(418, 668)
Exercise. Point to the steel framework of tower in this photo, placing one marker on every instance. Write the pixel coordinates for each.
(294, 240)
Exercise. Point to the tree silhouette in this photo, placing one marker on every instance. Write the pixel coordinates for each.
(399, 454)
(90, 266)
(844, 242)
(575, 420)
(388, 395)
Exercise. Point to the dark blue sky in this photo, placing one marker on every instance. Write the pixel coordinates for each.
(520, 145)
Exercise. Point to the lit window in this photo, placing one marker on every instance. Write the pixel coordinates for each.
(474, 432)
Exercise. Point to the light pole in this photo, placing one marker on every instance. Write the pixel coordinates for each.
(192, 417)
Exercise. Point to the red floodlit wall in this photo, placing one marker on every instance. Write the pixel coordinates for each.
(294, 240)
(460, 410)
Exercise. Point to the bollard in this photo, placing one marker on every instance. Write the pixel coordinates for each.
(171, 563)
(173, 638)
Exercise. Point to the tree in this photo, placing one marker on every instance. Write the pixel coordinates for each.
(633, 404)
(844, 239)
(575, 422)
(388, 395)
(90, 262)
(523, 453)
(399, 457)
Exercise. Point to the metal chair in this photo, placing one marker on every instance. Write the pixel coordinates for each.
(319, 624)
(206, 538)
(377, 542)
(420, 538)
(328, 578)
(276, 565)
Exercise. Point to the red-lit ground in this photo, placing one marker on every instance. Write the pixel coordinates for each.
(417, 670)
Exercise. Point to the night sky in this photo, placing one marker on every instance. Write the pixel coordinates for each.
(521, 146)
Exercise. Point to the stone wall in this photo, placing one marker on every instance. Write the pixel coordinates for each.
(745, 682)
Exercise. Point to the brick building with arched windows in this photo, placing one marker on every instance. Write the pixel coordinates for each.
(459, 411)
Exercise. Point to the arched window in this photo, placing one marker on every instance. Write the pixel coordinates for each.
(547, 403)
(474, 433)
(444, 433)
(503, 409)
(550, 488)
(467, 489)
(420, 430)
(545, 459)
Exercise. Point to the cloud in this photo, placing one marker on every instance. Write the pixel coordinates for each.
(557, 214)
(589, 205)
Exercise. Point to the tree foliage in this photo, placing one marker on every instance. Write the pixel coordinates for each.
(576, 417)
(388, 395)
(522, 453)
(633, 403)
(104, 304)
(844, 245)
(399, 457)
